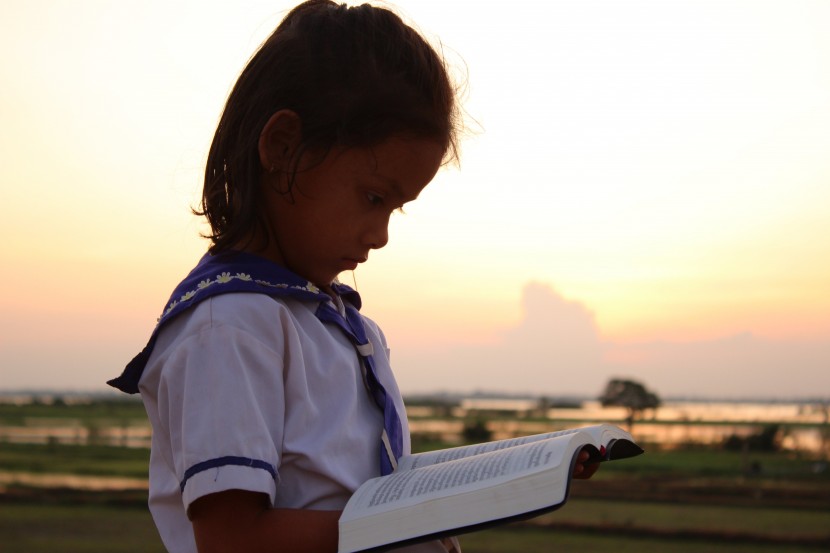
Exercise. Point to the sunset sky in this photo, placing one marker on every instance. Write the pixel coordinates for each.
(644, 191)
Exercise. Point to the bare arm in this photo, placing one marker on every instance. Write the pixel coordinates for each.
(237, 520)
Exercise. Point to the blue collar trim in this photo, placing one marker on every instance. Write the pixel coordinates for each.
(228, 272)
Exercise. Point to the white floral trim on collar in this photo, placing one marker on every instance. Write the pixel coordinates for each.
(225, 278)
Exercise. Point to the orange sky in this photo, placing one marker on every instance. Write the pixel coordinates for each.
(659, 168)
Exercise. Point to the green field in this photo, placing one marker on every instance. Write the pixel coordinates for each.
(530, 540)
(583, 525)
(774, 467)
(687, 500)
(82, 528)
(85, 460)
(113, 411)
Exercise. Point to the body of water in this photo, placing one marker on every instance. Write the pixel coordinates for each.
(802, 426)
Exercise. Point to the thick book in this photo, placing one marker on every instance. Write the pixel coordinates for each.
(457, 490)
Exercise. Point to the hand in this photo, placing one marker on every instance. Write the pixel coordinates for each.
(451, 545)
(582, 469)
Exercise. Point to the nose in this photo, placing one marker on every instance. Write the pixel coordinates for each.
(377, 236)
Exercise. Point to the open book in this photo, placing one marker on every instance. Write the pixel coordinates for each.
(457, 490)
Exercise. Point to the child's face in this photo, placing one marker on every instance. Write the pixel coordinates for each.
(341, 206)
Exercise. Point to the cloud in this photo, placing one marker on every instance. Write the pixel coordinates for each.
(554, 350)
(557, 349)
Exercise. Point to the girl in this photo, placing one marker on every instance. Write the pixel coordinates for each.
(271, 398)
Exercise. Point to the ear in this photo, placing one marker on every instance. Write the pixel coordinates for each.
(279, 139)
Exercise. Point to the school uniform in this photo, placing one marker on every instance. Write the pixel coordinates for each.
(248, 387)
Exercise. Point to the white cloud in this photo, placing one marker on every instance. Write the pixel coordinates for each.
(557, 349)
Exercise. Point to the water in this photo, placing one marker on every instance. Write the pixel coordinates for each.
(72, 481)
(69, 431)
(804, 427)
(675, 423)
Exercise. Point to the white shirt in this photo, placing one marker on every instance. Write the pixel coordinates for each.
(245, 391)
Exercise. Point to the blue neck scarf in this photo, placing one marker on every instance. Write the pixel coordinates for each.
(231, 272)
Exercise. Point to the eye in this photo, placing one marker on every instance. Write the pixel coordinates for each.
(374, 199)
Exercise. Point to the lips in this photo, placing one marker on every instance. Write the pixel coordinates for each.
(350, 264)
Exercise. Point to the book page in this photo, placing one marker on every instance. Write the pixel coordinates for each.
(443, 455)
(436, 492)
(457, 476)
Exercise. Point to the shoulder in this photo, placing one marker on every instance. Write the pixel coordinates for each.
(244, 309)
(250, 333)
(373, 329)
(261, 317)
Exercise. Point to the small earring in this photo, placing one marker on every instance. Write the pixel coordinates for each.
(272, 168)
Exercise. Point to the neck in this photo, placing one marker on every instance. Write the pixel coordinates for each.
(268, 248)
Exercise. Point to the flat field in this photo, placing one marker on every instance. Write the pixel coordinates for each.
(679, 500)
(112, 526)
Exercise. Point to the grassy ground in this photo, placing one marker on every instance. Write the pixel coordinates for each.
(77, 529)
(530, 540)
(97, 528)
(714, 462)
(89, 460)
(114, 411)
(686, 464)
(772, 523)
(680, 501)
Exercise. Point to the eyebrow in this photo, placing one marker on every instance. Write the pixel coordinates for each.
(395, 186)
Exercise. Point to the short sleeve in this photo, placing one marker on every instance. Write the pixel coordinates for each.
(221, 402)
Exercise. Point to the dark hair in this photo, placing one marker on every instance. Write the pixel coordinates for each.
(355, 76)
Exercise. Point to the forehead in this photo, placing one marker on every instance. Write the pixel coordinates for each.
(405, 165)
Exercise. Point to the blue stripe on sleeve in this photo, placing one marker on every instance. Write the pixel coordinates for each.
(225, 461)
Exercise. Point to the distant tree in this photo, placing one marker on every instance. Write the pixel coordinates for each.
(767, 438)
(543, 406)
(476, 431)
(629, 394)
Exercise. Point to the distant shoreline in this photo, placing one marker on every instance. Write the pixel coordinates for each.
(44, 394)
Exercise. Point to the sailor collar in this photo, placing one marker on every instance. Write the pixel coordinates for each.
(223, 273)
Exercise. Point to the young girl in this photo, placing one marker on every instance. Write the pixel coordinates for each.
(271, 398)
